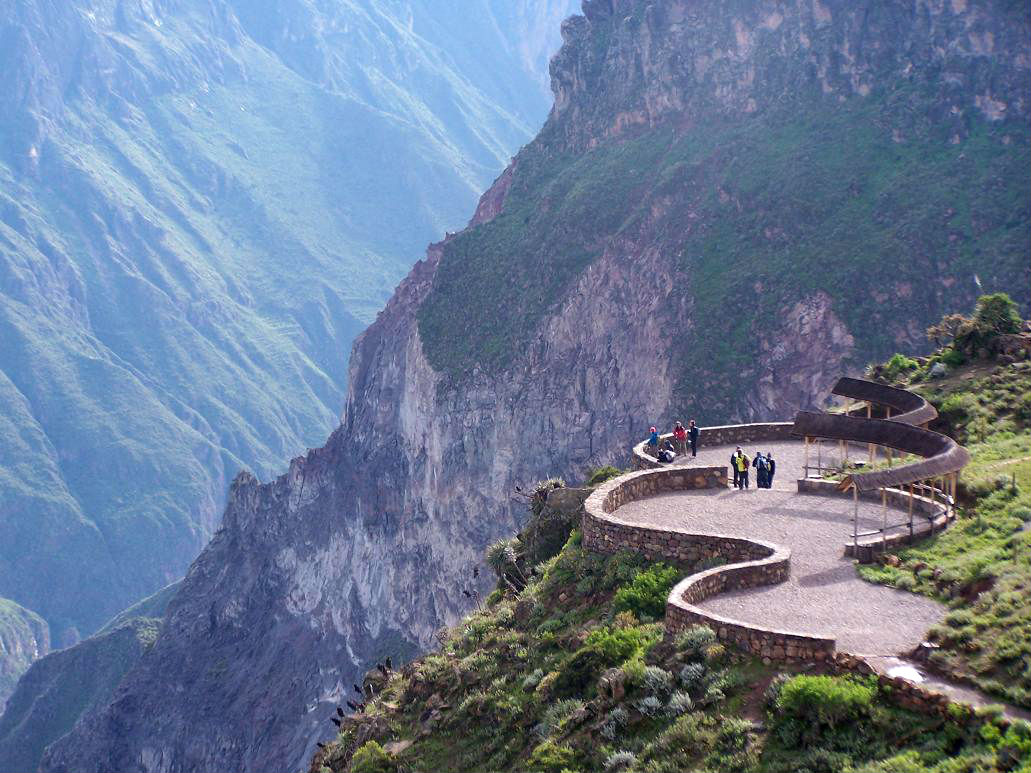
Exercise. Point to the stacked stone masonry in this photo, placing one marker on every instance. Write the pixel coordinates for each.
(745, 563)
(722, 435)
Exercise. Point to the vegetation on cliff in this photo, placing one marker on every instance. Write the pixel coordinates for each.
(572, 672)
(980, 566)
(813, 192)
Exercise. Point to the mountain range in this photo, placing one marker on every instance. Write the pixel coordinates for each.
(202, 203)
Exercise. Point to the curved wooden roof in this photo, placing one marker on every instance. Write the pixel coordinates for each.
(941, 455)
(909, 407)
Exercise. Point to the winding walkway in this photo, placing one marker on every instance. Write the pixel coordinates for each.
(823, 595)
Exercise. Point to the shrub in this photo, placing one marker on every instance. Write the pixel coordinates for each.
(620, 760)
(692, 676)
(647, 592)
(679, 703)
(996, 314)
(604, 647)
(952, 357)
(657, 680)
(649, 706)
(772, 692)
(559, 712)
(899, 366)
(603, 474)
(695, 640)
(614, 722)
(810, 705)
(372, 758)
(532, 680)
(550, 757)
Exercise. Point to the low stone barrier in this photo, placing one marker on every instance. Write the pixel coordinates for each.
(752, 563)
(723, 435)
(870, 547)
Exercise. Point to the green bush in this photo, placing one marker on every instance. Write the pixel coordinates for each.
(952, 357)
(809, 706)
(996, 314)
(372, 758)
(604, 648)
(696, 640)
(899, 366)
(603, 474)
(647, 592)
(550, 757)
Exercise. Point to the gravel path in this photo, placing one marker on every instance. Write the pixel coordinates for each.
(824, 594)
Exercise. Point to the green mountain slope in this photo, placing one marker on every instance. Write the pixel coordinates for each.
(201, 204)
(758, 158)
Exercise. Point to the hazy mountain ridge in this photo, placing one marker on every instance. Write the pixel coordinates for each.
(202, 202)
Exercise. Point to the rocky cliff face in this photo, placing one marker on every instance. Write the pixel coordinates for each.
(589, 298)
(24, 637)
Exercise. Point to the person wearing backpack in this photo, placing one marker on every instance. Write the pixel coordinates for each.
(667, 454)
(692, 435)
(680, 435)
(761, 470)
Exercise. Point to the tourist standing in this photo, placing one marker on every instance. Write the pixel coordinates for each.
(742, 470)
(773, 468)
(692, 435)
(680, 435)
(653, 441)
(762, 469)
(734, 466)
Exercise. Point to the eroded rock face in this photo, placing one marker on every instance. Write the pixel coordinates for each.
(363, 547)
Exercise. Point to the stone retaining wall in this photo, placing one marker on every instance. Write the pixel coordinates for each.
(751, 563)
(729, 434)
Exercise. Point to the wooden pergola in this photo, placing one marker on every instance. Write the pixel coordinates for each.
(933, 475)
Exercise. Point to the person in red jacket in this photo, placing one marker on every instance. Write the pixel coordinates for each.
(680, 435)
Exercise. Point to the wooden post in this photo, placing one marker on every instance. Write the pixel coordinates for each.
(807, 456)
(870, 447)
(910, 512)
(841, 454)
(855, 520)
(819, 457)
(933, 505)
(884, 519)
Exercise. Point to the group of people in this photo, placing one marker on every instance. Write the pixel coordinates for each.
(682, 438)
(764, 465)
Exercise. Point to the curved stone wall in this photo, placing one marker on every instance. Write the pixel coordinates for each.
(751, 563)
(721, 435)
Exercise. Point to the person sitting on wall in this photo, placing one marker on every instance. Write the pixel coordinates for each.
(734, 465)
(692, 435)
(680, 435)
(667, 454)
(653, 441)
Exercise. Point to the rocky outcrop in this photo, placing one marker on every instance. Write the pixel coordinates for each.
(24, 637)
(596, 318)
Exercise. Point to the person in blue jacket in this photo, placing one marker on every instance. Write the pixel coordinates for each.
(653, 440)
